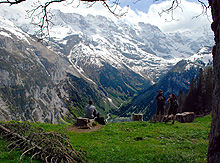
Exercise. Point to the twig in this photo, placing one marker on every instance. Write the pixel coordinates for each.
(12, 2)
(26, 152)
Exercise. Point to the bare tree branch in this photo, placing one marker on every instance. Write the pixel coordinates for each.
(50, 147)
(12, 2)
(114, 8)
(175, 4)
(205, 8)
(136, 1)
(41, 15)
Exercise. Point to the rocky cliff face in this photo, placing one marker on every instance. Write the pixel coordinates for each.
(34, 84)
(38, 84)
(27, 90)
(214, 141)
(143, 48)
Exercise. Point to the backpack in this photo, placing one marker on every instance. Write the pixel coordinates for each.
(100, 120)
(161, 100)
(175, 104)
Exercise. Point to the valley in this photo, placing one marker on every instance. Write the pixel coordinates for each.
(93, 57)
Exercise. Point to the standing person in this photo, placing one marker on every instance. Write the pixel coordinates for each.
(173, 107)
(91, 111)
(160, 106)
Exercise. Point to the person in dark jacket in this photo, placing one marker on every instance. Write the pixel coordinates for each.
(160, 106)
(173, 107)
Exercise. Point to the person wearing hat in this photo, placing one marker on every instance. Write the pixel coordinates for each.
(160, 106)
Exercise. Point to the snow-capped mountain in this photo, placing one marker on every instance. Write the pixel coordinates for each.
(200, 59)
(143, 48)
(87, 57)
(38, 84)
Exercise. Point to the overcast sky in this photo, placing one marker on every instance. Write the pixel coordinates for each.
(142, 11)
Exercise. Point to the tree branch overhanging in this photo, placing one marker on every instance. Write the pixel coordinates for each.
(12, 2)
(204, 7)
(174, 5)
(41, 15)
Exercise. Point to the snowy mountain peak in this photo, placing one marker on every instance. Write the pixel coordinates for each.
(8, 25)
(200, 59)
(205, 50)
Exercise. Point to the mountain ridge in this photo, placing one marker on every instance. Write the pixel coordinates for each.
(105, 61)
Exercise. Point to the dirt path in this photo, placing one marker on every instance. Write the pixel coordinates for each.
(76, 129)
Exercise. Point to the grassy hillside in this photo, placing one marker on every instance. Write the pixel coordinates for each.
(135, 142)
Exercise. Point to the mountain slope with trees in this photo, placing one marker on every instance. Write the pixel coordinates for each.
(178, 78)
(200, 95)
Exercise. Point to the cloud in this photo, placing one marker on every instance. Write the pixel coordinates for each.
(85, 8)
(183, 16)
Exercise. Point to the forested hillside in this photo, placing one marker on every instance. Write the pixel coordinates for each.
(178, 81)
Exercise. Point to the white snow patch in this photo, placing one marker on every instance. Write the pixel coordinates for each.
(8, 25)
(5, 34)
(202, 57)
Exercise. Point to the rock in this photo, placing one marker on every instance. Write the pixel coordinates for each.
(137, 117)
(84, 123)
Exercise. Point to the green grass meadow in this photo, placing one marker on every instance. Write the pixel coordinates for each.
(134, 142)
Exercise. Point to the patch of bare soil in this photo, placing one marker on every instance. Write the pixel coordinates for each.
(80, 130)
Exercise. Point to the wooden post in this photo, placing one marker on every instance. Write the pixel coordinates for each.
(137, 117)
(185, 117)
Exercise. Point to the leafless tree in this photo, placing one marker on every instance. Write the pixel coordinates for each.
(41, 15)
